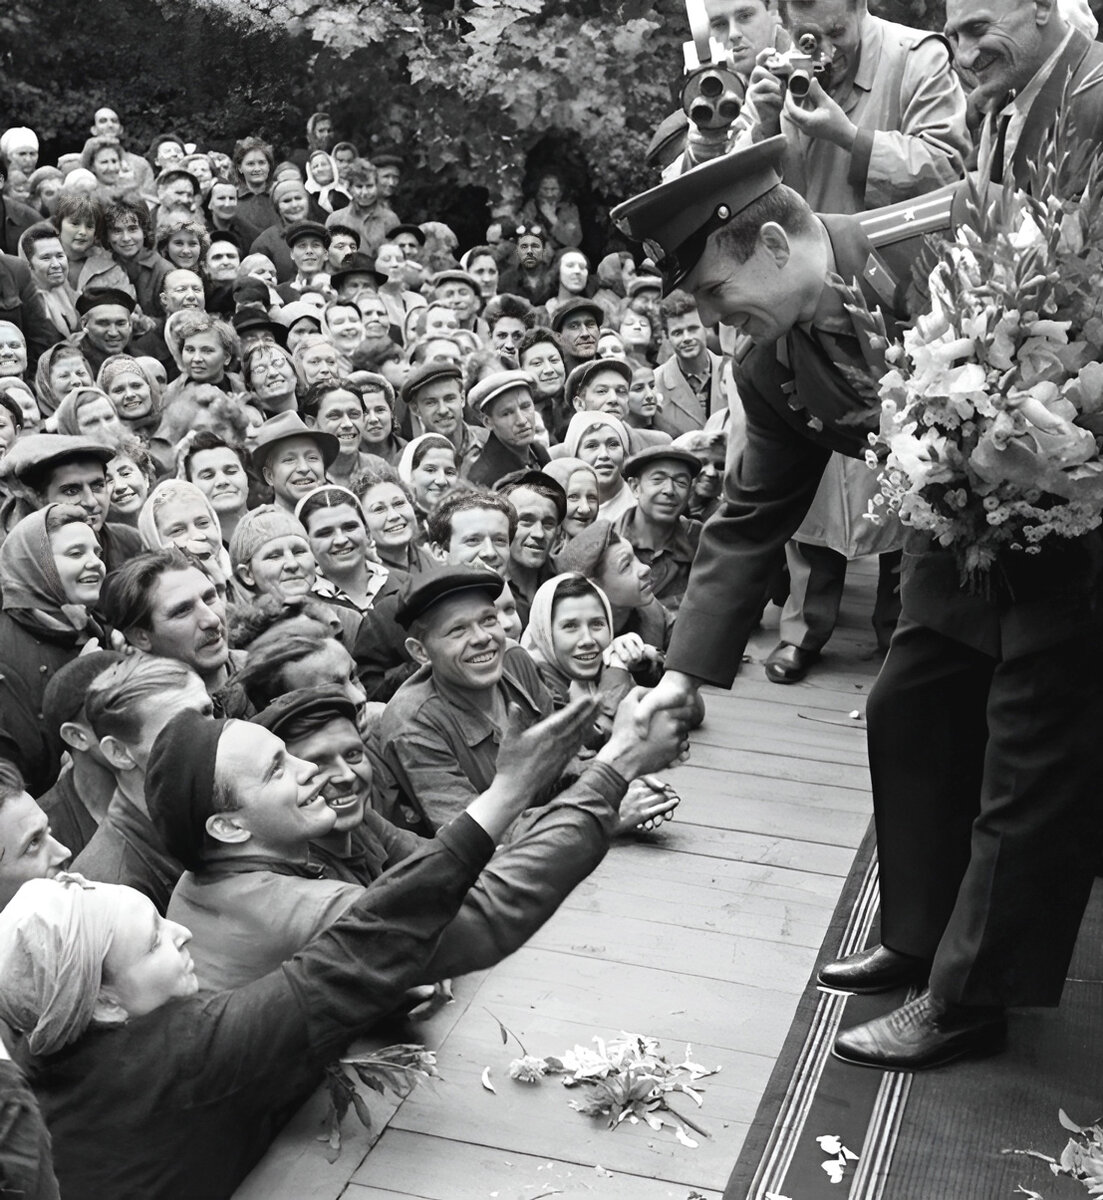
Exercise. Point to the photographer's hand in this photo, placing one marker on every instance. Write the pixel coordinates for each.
(766, 95)
(818, 116)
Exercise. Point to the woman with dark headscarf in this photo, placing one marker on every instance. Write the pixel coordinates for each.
(51, 570)
(62, 368)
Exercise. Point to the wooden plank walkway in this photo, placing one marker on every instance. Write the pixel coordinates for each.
(704, 933)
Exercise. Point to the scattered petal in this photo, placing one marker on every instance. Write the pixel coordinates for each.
(830, 1143)
(835, 1171)
(848, 1153)
(486, 1081)
(600, 1170)
(685, 1139)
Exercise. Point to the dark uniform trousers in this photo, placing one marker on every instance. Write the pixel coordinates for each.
(986, 722)
(986, 754)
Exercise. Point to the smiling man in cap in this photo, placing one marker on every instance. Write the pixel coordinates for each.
(444, 731)
(505, 400)
(986, 907)
(661, 479)
(249, 912)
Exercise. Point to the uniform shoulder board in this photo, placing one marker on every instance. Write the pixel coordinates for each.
(877, 274)
(893, 223)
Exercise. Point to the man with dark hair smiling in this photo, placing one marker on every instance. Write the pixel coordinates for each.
(473, 528)
(260, 885)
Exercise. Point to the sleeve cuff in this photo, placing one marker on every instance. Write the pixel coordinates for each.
(468, 840)
(860, 154)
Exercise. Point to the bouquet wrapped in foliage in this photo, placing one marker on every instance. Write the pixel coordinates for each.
(992, 409)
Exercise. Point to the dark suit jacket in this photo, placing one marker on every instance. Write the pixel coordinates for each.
(496, 459)
(17, 217)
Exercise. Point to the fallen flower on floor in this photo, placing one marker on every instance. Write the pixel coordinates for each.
(841, 1156)
(396, 1069)
(629, 1079)
(1082, 1157)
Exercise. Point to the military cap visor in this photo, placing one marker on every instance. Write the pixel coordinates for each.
(677, 218)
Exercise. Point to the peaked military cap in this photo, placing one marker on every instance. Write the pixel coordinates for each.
(675, 219)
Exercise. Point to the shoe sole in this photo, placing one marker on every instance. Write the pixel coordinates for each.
(992, 1041)
(919, 981)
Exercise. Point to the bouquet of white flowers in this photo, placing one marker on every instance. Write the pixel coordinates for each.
(992, 409)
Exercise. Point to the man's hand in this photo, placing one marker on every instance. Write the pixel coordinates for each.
(766, 93)
(647, 804)
(634, 749)
(530, 759)
(538, 755)
(818, 116)
(675, 693)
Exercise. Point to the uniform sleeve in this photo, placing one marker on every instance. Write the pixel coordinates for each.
(932, 144)
(552, 849)
(767, 491)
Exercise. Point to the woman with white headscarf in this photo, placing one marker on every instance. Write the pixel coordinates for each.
(601, 441)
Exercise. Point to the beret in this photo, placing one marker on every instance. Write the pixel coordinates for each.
(539, 481)
(416, 230)
(227, 235)
(86, 301)
(431, 586)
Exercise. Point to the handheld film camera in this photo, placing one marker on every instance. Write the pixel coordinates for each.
(712, 93)
(799, 66)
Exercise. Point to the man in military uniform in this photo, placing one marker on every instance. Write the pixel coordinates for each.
(983, 725)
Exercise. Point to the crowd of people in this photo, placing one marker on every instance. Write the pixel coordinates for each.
(334, 562)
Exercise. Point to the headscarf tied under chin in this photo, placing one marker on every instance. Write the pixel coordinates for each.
(322, 192)
(54, 937)
(537, 638)
(410, 457)
(170, 491)
(29, 581)
(117, 365)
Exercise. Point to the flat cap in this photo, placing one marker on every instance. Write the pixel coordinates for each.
(305, 702)
(297, 230)
(387, 158)
(644, 283)
(453, 275)
(675, 219)
(86, 301)
(38, 452)
(429, 587)
(581, 304)
(429, 372)
(584, 372)
(284, 425)
(539, 481)
(227, 235)
(497, 384)
(650, 455)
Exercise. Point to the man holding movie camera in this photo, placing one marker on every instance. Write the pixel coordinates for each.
(882, 115)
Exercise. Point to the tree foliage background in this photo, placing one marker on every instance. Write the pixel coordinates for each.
(477, 94)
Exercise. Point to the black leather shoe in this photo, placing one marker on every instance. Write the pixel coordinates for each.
(789, 664)
(878, 969)
(923, 1033)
